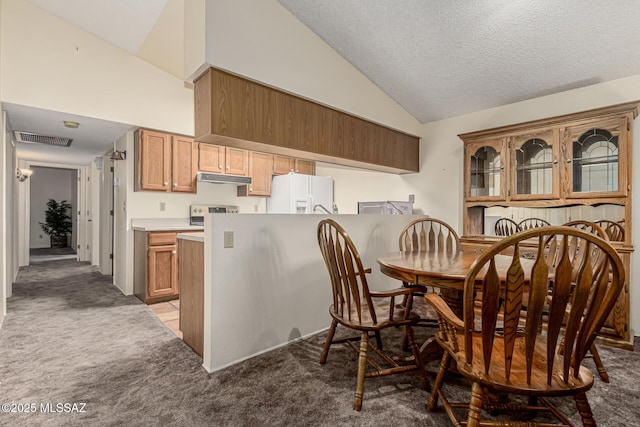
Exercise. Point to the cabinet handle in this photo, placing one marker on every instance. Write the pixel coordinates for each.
(219, 166)
(297, 171)
(501, 168)
(166, 183)
(228, 167)
(173, 252)
(568, 160)
(250, 190)
(175, 184)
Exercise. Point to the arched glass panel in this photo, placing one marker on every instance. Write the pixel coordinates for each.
(595, 161)
(485, 172)
(534, 161)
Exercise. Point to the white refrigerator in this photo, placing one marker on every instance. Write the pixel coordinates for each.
(301, 194)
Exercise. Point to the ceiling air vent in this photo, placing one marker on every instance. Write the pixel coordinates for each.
(34, 138)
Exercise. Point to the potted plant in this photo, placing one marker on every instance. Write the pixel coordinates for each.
(57, 222)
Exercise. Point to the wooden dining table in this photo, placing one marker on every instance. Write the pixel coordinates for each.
(446, 271)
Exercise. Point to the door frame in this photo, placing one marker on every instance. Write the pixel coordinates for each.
(24, 202)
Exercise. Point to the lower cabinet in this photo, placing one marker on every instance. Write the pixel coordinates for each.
(155, 274)
(191, 273)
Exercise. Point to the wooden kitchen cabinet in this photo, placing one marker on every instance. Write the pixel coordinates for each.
(155, 266)
(165, 162)
(284, 164)
(223, 160)
(191, 271)
(233, 111)
(260, 171)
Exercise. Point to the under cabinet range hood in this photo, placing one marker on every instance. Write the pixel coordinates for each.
(216, 178)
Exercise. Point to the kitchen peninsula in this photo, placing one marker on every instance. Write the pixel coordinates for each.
(269, 286)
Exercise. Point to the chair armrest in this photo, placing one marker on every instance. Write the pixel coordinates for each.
(444, 310)
(392, 292)
(367, 271)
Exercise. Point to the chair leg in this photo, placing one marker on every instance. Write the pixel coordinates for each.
(444, 366)
(378, 340)
(601, 369)
(475, 405)
(411, 336)
(362, 369)
(327, 343)
(585, 410)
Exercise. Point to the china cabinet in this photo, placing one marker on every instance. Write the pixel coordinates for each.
(571, 167)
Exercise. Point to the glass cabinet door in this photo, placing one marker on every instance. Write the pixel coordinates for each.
(534, 165)
(485, 170)
(596, 159)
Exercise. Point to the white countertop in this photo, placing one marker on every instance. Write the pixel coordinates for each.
(194, 237)
(168, 227)
(157, 224)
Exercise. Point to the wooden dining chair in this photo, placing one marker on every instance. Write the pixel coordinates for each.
(529, 223)
(596, 261)
(615, 230)
(358, 308)
(426, 235)
(506, 227)
(523, 360)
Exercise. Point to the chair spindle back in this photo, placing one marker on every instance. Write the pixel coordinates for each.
(429, 235)
(506, 227)
(541, 278)
(351, 298)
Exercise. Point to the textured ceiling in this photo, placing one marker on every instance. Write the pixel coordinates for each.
(441, 59)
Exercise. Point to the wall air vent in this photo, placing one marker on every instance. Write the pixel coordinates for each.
(34, 138)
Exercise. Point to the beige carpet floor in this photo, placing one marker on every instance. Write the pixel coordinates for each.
(71, 337)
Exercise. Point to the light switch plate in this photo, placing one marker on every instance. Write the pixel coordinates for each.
(228, 239)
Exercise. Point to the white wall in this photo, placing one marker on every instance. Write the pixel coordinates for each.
(265, 42)
(4, 224)
(49, 183)
(84, 74)
(272, 287)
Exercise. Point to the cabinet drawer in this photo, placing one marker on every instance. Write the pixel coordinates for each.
(155, 239)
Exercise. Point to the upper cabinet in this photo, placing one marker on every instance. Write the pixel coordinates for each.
(533, 165)
(284, 164)
(165, 162)
(593, 153)
(576, 159)
(234, 111)
(223, 160)
(261, 172)
(485, 171)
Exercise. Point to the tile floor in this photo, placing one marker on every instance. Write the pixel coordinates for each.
(169, 313)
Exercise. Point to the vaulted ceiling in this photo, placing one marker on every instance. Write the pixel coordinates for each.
(437, 59)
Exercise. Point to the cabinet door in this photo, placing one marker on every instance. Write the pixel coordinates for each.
(533, 164)
(162, 271)
(596, 158)
(484, 165)
(155, 160)
(283, 164)
(237, 161)
(211, 158)
(307, 167)
(261, 166)
(185, 164)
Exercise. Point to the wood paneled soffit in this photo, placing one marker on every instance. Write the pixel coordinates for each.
(236, 112)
